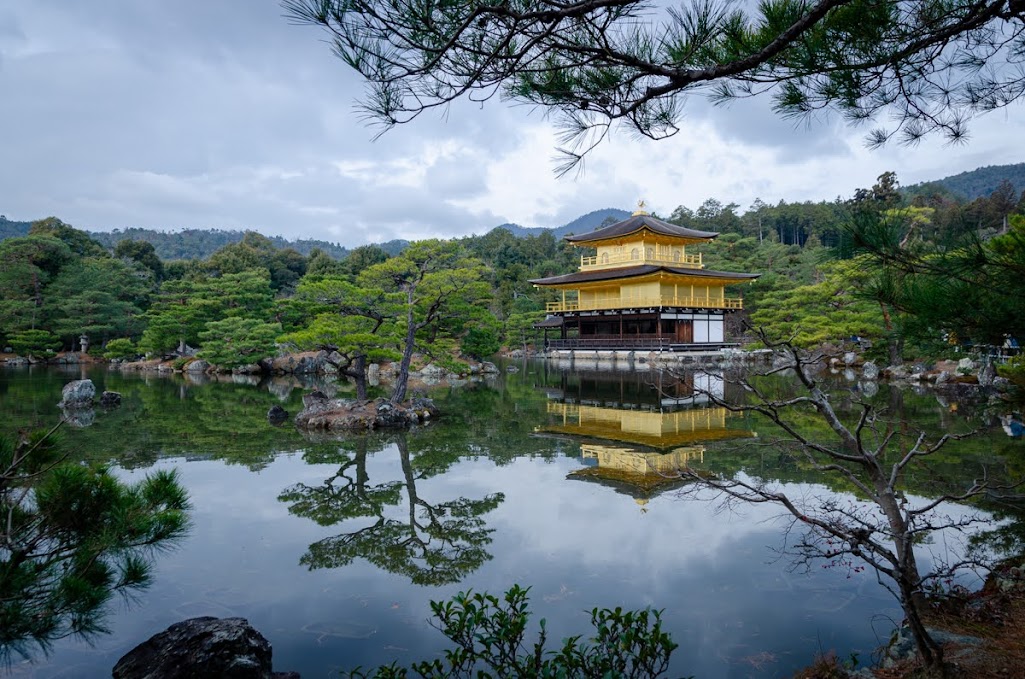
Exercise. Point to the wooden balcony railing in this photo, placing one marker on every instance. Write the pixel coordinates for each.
(662, 259)
(648, 302)
(632, 343)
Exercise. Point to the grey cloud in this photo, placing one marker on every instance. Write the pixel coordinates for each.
(209, 113)
(753, 122)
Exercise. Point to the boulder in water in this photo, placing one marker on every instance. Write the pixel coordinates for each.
(110, 399)
(323, 413)
(229, 648)
(78, 394)
(197, 367)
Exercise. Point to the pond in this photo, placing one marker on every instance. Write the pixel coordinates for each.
(555, 480)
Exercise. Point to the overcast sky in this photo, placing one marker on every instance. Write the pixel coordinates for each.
(222, 114)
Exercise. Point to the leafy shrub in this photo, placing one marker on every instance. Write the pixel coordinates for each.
(34, 343)
(236, 341)
(1014, 370)
(489, 636)
(480, 343)
(120, 348)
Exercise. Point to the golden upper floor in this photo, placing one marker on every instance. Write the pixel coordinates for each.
(641, 239)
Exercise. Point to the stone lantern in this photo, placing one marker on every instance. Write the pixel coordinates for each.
(83, 340)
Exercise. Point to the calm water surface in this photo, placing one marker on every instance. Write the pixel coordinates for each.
(334, 549)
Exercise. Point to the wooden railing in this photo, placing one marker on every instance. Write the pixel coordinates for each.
(654, 343)
(631, 342)
(636, 302)
(609, 261)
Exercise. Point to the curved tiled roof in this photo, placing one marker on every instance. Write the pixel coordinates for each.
(635, 223)
(640, 270)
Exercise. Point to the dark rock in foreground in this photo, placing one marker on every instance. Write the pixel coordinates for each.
(110, 399)
(323, 413)
(229, 648)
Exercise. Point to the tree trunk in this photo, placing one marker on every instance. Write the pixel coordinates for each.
(894, 346)
(909, 580)
(930, 652)
(359, 368)
(399, 395)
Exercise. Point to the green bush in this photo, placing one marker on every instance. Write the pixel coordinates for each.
(480, 343)
(1014, 370)
(120, 348)
(489, 636)
(235, 341)
(34, 343)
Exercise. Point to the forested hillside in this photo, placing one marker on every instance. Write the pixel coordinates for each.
(9, 229)
(978, 183)
(201, 243)
(197, 243)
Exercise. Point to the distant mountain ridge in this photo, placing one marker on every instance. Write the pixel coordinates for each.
(978, 183)
(583, 224)
(201, 243)
(197, 243)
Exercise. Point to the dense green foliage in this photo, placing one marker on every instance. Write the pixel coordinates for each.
(12, 229)
(58, 280)
(490, 636)
(978, 183)
(201, 243)
(120, 348)
(237, 341)
(73, 536)
(34, 343)
(908, 271)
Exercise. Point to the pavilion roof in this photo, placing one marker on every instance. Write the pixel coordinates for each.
(551, 322)
(640, 270)
(639, 222)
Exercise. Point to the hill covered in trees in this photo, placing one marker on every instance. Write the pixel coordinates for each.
(201, 243)
(978, 183)
(9, 229)
(198, 243)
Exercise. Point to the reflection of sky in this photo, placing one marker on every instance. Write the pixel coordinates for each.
(730, 603)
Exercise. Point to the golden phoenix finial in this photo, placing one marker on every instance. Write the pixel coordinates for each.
(640, 208)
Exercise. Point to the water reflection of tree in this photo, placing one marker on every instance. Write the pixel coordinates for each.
(432, 544)
(879, 459)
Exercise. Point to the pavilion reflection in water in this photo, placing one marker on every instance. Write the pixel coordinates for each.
(637, 430)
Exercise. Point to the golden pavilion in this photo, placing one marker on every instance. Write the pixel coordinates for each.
(644, 288)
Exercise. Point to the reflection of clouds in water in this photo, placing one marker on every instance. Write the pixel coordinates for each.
(730, 600)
